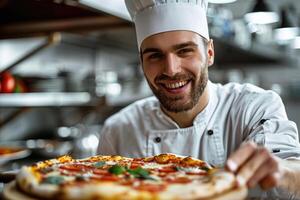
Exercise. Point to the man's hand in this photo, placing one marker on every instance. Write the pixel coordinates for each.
(255, 165)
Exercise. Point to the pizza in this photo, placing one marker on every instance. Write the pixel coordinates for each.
(11, 153)
(164, 176)
(8, 150)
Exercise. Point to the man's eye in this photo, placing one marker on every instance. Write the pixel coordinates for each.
(185, 51)
(155, 56)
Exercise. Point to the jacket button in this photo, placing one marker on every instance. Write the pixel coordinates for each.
(210, 132)
(157, 139)
(275, 150)
(263, 121)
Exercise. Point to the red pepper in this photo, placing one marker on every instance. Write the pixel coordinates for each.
(8, 82)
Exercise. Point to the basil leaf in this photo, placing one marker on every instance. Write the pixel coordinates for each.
(117, 170)
(205, 168)
(99, 164)
(140, 173)
(55, 180)
(132, 172)
(178, 168)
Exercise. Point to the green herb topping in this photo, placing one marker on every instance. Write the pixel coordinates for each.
(117, 170)
(99, 164)
(137, 173)
(55, 180)
(140, 173)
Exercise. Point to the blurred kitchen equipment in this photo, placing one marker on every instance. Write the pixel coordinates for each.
(221, 1)
(261, 14)
(296, 43)
(9, 152)
(287, 29)
(221, 22)
(53, 39)
(49, 148)
(107, 83)
(46, 84)
(43, 147)
(85, 138)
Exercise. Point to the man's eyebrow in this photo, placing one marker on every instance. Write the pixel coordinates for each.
(175, 47)
(183, 45)
(150, 50)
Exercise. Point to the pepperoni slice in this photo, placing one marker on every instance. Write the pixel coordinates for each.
(136, 164)
(111, 178)
(100, 171)
(76, 167)
(178, 180)
(168, 169)
(162, 174)
(128, 182)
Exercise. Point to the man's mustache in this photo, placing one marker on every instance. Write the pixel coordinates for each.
(176, 77)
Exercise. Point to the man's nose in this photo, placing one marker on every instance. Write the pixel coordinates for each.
(171, 65)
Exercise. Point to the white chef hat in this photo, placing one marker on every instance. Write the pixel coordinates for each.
(157, 16)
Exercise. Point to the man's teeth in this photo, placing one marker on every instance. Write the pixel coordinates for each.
(175, 85)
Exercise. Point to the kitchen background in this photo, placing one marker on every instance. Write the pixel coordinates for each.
(75, 62)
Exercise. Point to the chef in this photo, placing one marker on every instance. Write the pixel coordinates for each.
(241, 127)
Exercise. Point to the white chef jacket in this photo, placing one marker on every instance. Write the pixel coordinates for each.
(235, 113)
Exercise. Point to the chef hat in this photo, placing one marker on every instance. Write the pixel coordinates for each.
(157, 16)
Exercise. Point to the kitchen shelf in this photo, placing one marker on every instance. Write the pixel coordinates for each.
(45, 99)
(125, 99)
(129, 95)
(228, 53)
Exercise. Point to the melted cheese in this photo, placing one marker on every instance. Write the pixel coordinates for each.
(154, 165)
(192, 169)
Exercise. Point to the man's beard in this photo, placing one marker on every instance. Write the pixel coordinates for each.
(173, 104)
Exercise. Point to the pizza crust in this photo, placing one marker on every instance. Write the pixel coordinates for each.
(235, 194)
(11, 192)
(28, 183)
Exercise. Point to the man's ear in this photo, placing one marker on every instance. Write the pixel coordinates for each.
(210, 52)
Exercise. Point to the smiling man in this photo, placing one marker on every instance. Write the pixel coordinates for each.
(176, 67)
(241, 127)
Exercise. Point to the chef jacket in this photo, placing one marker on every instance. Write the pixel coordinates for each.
(235, 113)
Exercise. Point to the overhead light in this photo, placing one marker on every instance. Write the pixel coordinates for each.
(261, 14)
(296, 43)
(286, 31)
(283, 35)
(221, 1)
(113, 7)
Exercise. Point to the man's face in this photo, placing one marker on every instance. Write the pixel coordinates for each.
(175, 66)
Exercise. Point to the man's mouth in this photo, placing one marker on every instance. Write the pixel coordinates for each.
(175, 85)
